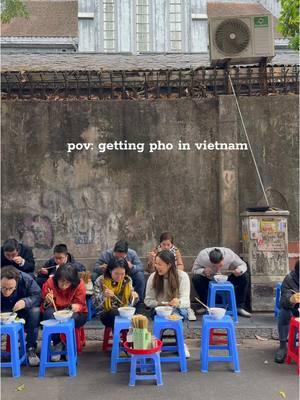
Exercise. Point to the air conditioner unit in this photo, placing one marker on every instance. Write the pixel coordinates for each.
(241, 39)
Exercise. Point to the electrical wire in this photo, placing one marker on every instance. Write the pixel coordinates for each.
(248, 140)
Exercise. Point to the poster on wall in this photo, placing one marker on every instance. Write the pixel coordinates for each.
(271, 242)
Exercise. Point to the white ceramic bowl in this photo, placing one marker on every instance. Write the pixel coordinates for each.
(217, 313)
(63, 315)
(126, 312)
(7, 317)
(220, 278)
(164, 311)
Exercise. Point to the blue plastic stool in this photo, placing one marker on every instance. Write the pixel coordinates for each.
(161, 324)
(68, 329)
(140, 362)
(209, 323)
(277, 300)
(16, 333)
(120, 325)
(226, 292)
(91, 310)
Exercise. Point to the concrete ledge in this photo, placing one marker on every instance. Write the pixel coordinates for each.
(261, 324)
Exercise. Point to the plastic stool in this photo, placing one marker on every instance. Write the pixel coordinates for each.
(91, 310)
(224, 323)
(293, 347)
(226, 291)
(80, 339)
(139, 359)
(15, 333)
(68, 329)
(216, 337)
(277, 300)
(107, 337)
(121, 324)
(161, 324)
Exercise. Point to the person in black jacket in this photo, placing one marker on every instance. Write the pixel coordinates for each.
(21, 294)
(18, 255)
(61, 256)
(289, 304)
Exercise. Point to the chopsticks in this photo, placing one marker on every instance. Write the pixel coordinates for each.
(52, 266)
(140, 321)
(116, 297)
(52, 301)
(204, 305)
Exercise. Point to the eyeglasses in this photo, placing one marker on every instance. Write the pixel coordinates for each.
(6, 289)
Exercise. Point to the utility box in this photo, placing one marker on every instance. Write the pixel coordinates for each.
(265, 248)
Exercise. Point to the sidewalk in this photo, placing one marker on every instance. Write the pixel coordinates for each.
(260, 379)
(262, 324)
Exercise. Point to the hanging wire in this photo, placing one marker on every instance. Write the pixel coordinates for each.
(248, 140)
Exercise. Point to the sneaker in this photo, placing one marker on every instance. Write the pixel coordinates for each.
(191, 314)
(57, 347)
(201, 311)
(280, 355)
(186, 351)
(33, 359)
(244, 313)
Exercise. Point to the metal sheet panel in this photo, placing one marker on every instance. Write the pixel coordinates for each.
(199, 42)
(86, 6)
(160, 22)
(198, 6)
(86, 35)
(124, 23)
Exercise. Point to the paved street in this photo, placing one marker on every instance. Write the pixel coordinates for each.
(260, 379)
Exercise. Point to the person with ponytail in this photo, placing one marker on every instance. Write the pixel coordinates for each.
(115, 283)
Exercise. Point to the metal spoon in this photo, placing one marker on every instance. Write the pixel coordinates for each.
(204, 305)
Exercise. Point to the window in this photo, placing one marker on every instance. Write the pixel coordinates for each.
(109, 31)
(175, 25)
(142, 25)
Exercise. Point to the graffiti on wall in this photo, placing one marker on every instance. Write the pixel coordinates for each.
(37, 231)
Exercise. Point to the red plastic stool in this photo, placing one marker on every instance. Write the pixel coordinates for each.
(216, 337)
(293, 343)
(108, 336)
(79, 337)
(7, 344)
(107, 339)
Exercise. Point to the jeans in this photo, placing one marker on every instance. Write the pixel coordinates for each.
(32, 321)
(108, 318)
(240, 284)
(79, 319)
(183, 312)
(138, 281)
(284, 323)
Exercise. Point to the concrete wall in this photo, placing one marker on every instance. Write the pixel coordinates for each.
(88, 199)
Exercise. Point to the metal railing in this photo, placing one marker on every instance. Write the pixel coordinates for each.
(150, 84)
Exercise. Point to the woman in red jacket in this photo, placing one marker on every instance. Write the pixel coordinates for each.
(68, 291)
